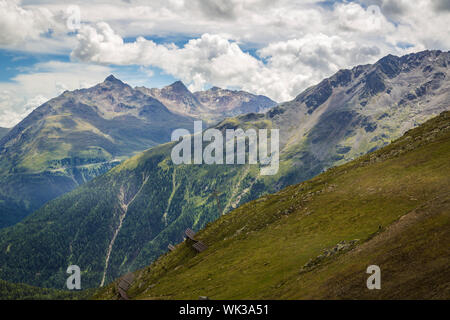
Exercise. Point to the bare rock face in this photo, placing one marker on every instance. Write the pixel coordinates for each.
(211, 105)
(364, 108)
(232, 103)
(177, 98)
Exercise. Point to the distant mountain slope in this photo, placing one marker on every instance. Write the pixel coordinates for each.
(74, 137)
(211, 105)
(177, 98)
(233, 102)
(315, 240)
(3, 132)
(124, 219)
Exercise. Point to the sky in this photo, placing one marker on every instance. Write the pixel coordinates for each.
(276, 48)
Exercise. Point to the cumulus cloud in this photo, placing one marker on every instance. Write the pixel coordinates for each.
(263, 21)
(36, 29)
(419, 25)
(201, 61)
(8, 115)
(299, 63)
(34, 103)
(18, 24)
(353, 17)
(224, 9)
(442, 5)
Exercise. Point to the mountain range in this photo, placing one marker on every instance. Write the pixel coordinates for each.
(124, 219)
(83, 133)
(211, 105)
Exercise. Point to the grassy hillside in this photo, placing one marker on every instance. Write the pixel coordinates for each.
(20, 291)
(315, 240)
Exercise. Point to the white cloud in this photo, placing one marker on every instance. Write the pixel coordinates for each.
(421, 25)
(260, 22)
(354, 18)
(299, 63)
(147, 71)
(34, 103)
(211, 58)
(33, 29)
(18, 24)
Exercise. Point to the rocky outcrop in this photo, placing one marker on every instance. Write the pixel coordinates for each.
(339, 248)
(210, 105)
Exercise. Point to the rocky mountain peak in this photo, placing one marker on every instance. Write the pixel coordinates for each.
(110, 84)
(177, 87)
(112, 79)
(367, 81)
(390, 65)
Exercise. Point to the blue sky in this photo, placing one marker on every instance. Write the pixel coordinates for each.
(275, 48)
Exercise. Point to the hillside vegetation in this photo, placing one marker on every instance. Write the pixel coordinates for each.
(390, 208)
(20, 291)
